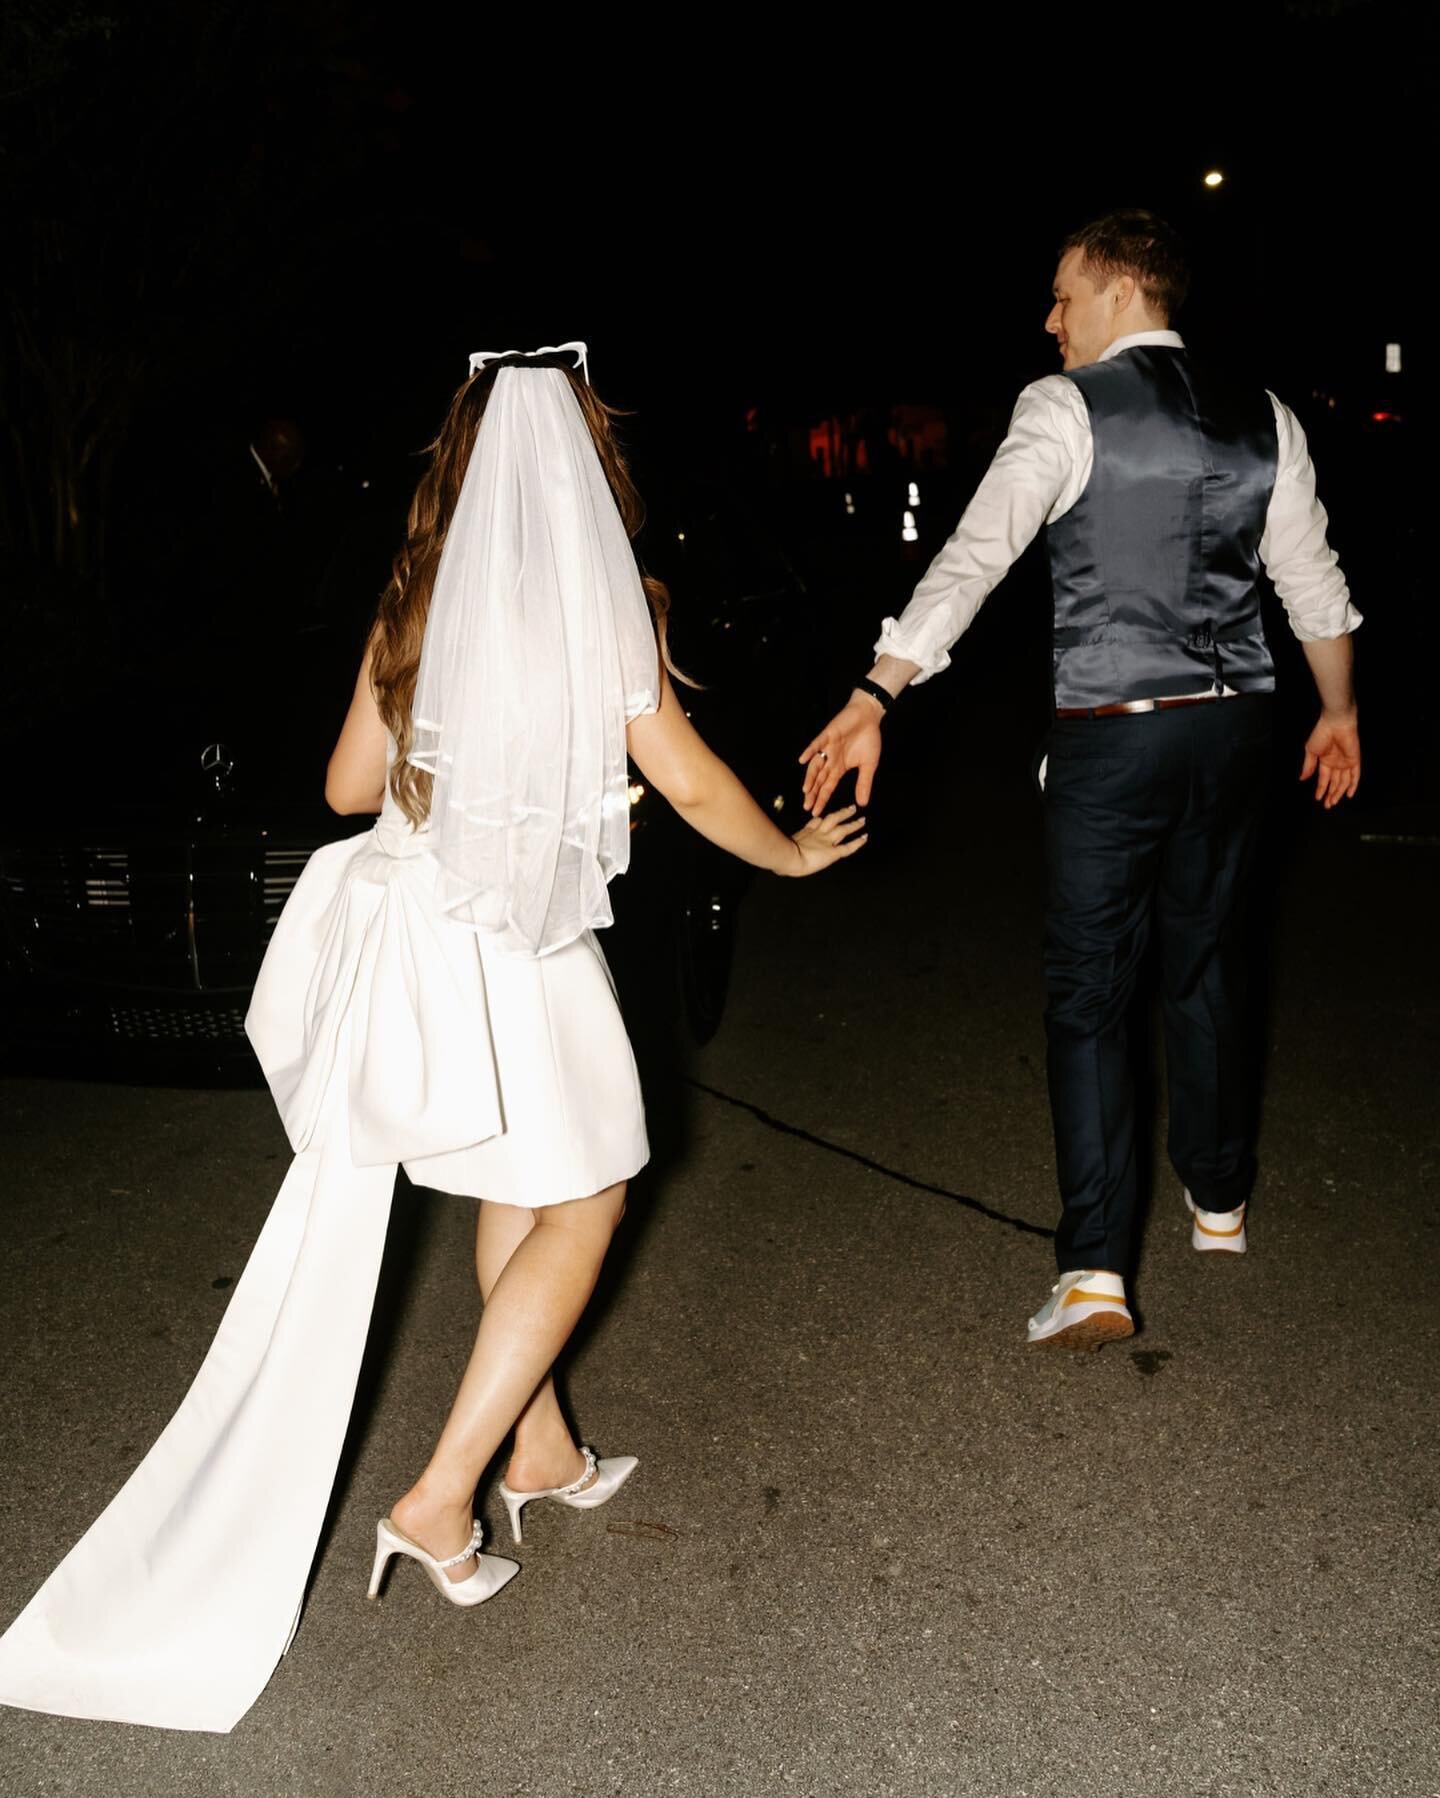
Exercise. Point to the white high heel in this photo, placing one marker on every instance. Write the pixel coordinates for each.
(491, 1571)
(609, 1476)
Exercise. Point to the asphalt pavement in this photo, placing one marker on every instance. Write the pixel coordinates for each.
(874, 1545)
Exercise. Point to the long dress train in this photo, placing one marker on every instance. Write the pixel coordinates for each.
(389, 1035)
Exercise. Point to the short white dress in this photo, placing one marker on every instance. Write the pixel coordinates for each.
(485, 1074)
(391, 1035)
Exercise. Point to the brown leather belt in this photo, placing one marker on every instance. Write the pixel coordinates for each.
(1139, 705)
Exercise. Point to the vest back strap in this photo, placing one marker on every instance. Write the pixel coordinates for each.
(1067, 637)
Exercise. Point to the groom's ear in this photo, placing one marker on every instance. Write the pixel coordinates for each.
(1122, 292)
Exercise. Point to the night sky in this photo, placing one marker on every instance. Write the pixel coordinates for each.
(338, 188)
(878, 223)
(312, 213)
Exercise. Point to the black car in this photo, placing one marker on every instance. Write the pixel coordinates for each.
(134, 913)
(743, 628)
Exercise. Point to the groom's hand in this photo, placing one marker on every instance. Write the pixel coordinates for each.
(1332, 755)
(850, 740)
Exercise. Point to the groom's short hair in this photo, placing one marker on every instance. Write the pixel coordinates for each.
(1137, 244)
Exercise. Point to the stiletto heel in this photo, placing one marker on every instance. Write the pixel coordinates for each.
(383, 1552)
(491, 1571)
(609, 1476)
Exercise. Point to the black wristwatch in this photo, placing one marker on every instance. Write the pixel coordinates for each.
(877, 692)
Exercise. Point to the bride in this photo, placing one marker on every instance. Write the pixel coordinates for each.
(435, 997)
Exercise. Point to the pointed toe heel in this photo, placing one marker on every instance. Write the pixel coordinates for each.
(609, 1476)
(491, 1571)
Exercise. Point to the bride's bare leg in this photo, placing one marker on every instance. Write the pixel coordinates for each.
(533, 1305)
(544, 1453)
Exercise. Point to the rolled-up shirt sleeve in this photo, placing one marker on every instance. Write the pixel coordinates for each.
(1022, 487)
(1297, 555)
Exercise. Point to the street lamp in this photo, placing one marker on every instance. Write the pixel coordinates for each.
(1214, 178)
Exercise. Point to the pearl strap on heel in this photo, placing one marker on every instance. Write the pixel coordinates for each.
(600, 1481)
(472, 1547)
(491, 1571)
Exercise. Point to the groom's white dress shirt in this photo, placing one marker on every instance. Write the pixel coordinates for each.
(1039, 472)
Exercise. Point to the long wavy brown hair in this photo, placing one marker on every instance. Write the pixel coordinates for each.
(399, 627)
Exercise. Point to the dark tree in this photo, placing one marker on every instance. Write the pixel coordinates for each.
(169, 176)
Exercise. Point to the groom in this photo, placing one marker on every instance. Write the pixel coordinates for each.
(1162, 487)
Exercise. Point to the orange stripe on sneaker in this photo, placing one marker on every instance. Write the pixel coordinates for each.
(1205, 1229)
(1077, 1295)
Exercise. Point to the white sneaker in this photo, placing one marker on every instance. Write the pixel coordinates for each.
(1084, 1310)
(1223, 1230)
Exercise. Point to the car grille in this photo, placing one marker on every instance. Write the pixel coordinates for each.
(185, 916)
(108, 883)
(177, 1024)
(283, 867)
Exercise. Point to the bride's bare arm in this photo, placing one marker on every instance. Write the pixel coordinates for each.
(355, 779)
(676, 760)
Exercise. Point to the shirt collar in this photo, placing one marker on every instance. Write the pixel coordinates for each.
(1166, 340)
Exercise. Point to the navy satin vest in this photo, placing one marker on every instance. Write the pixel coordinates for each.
(1156, 566)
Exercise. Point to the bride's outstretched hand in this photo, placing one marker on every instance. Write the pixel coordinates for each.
(825, 841)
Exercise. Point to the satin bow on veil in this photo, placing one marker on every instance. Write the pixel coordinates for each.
(581, 351)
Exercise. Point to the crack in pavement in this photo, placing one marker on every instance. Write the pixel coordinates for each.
(876, 1167)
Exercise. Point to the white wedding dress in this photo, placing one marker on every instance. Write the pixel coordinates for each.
(390, 1035)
